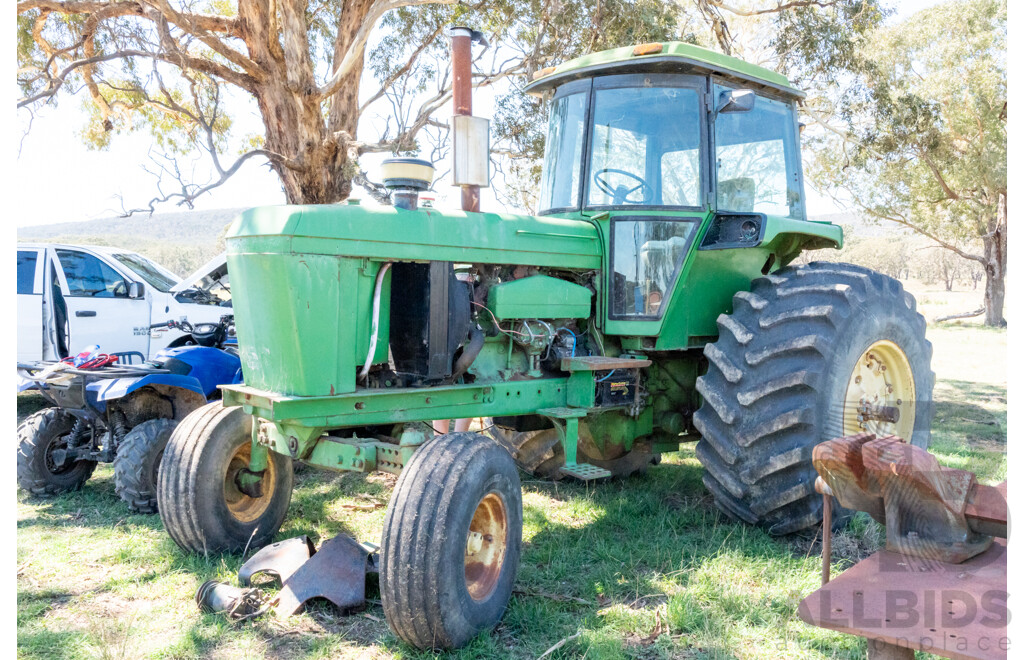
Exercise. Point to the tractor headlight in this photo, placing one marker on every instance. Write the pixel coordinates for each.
(734, 230)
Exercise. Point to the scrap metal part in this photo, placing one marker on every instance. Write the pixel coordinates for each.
(279, 559)
(929, 511)
(218, 597)
(335, 572)
(954, 610)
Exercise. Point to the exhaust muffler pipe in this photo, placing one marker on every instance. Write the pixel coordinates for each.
(471, 141)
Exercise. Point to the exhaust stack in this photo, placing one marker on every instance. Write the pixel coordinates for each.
(471, 142)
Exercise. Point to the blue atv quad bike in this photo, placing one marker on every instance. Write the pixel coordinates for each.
(121, 413)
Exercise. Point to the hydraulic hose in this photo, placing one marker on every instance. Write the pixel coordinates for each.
(376, 322)
(473, 348)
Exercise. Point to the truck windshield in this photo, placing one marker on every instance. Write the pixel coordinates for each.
(154, 275)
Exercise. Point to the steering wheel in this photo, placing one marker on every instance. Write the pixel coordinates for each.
(620, 194)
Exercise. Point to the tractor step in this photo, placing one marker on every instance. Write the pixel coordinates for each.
(585, 471)
(602, 363)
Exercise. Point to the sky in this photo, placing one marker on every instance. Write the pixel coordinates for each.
(92, 184)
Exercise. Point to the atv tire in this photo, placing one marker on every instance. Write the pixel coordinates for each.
(451, 541)
(198, 497)
(777, 385)
(38, 436)
(137, 464)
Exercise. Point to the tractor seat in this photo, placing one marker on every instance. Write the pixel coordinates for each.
(736, 194)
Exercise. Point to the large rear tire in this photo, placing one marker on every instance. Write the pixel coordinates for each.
(137, 464)
(451, 541)
(200, 503)
(39, 436)
(795, 364)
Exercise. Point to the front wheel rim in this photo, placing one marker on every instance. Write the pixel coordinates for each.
(486, 546)
(880, 395)
(243, 507)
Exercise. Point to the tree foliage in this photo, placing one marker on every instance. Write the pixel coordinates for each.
(175, 67)
(921, 137)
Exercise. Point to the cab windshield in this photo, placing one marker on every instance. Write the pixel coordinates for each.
(645, 141)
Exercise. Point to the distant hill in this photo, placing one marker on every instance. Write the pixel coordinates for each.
(861, 225)
(186, 227)
(180, 241)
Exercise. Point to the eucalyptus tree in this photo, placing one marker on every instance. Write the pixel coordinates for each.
(919, 136)
(179, 68)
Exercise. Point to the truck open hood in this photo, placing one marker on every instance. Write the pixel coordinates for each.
(207, 274)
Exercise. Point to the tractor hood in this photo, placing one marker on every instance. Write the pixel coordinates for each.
(389, 233)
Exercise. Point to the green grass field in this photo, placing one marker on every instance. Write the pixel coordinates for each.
(638, 568)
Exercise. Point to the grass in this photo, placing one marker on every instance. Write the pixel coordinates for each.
(640, 568)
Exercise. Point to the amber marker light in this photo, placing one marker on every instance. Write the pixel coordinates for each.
(647, 49)
(543, 72)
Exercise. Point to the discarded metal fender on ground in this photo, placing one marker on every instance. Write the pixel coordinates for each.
(336, 572)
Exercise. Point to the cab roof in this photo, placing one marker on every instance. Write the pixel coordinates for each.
(666, 57)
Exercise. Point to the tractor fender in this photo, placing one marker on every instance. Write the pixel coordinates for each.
(808, 234)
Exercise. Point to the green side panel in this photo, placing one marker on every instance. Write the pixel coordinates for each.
(303, 320)
(712, 277)
(389, 233)
(539, 297)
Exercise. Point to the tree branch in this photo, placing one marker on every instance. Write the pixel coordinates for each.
(778, 8)
(210, 22)
(353, 55)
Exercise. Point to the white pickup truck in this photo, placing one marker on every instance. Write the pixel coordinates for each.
(73, 296)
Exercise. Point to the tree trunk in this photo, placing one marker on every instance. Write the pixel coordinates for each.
(319, 163)
(995, 267)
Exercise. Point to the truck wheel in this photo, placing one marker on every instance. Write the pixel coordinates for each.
(451, 541)
(39, 436)
(199, 500)
(137, 464)
(811, 353)
(541, 454)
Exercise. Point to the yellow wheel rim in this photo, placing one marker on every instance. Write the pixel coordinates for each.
(880, 396)
(244, 507)
(486, 543)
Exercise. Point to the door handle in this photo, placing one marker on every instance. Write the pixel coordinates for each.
(85, 313)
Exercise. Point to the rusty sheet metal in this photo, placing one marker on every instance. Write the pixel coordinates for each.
(951, 610)
(924, 506)
(336, 572)
(280, 559)
(986, 509)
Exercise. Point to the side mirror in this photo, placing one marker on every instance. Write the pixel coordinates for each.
(136, 290)
(736, 100)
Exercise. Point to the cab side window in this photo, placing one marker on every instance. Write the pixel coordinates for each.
(757, 159)
(88, 276)
(27, 271)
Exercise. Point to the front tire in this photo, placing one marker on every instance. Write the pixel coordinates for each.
(39, 436)
(200, 503)
(786, 374)
(451, 541)
(137, 464)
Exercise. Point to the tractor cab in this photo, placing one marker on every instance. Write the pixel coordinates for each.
(668, 146)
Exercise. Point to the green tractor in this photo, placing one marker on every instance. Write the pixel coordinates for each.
(650, 303)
